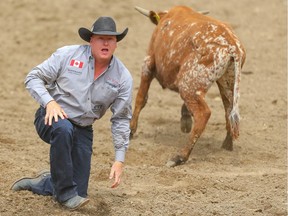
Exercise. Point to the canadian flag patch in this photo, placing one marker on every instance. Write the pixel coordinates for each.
(76, 63)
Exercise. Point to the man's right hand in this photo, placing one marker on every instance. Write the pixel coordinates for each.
(53, 110)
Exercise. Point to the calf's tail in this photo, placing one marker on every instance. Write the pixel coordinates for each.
(234, 116)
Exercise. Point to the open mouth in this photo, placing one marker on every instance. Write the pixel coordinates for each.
(104, 50)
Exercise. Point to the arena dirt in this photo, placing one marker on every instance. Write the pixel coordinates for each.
(251, 180)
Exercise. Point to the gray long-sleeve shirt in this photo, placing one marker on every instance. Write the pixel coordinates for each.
(67, 77)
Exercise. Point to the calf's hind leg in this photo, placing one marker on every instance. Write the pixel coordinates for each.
(197, 105)
(226, 85)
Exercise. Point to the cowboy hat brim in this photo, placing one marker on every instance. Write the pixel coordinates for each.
(86, 34)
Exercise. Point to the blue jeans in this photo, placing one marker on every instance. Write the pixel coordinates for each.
(70, 157)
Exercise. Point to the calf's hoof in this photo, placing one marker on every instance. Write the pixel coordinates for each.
(175, 161)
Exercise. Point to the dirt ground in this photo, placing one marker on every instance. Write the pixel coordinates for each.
(251, 180)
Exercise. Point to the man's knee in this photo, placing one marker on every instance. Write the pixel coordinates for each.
(63, 127)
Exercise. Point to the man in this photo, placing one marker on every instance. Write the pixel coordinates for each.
(75, 87)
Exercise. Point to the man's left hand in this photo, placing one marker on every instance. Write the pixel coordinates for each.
(116, 171)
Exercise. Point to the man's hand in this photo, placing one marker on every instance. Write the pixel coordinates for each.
(116, 171)
(53, 110)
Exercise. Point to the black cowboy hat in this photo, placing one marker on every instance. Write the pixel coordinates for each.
(102, 26)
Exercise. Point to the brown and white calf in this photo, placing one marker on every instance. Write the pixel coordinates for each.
(188, 52)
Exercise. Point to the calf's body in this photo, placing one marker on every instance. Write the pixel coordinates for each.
(188, 52)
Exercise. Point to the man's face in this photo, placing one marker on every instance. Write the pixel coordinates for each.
(103, 46)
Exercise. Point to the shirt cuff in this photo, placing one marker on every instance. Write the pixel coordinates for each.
(120, 155)
(45, 99)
